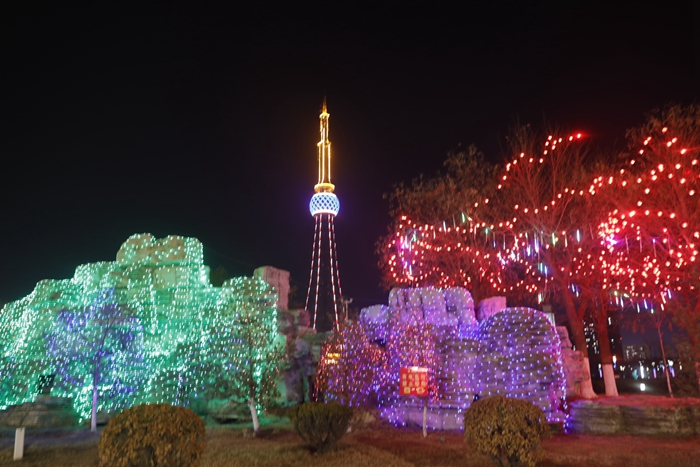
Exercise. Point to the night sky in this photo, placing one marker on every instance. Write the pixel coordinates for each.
(202, 120)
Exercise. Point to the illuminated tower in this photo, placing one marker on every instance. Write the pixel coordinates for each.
(324, 295)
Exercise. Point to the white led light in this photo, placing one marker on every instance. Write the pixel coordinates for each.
(324, 203)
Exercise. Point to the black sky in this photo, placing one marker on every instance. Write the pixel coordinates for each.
(202, 119)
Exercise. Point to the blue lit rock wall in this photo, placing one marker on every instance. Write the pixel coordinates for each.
(164, 282)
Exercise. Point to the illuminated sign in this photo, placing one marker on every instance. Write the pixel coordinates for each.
(414, 381)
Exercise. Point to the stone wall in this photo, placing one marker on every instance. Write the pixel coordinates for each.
(636, 415)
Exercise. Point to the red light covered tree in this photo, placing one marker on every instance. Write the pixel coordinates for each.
(547, 233)
(429, 242)
(533, 240)
(544, 225)
(654, 230)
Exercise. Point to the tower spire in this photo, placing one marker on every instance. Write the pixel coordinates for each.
(324, 295)
(324, 154)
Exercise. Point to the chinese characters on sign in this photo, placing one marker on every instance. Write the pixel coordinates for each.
(414, 381)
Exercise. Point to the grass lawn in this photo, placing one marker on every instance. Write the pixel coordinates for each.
(278, 447)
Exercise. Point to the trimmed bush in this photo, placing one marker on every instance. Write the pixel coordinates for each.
(508, 430)
(321, 425)
(154, 435)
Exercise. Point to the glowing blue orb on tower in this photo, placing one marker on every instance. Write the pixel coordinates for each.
(324, 203)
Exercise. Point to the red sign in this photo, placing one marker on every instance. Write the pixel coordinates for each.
(414, 381)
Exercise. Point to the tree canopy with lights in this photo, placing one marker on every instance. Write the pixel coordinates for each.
(98, 355)
(653, 229)
(242, 354)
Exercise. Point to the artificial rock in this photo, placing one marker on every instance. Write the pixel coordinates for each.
(277, 278)
(490, 306)
(574, 364)
(299, 368)
(44, 412)
(513, 352)
(165, 285)
(229, 411)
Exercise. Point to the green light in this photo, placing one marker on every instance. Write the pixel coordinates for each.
(191, 334)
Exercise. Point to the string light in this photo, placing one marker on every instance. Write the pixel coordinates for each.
(633, 239)
(183, 332)
(515, 352)
(515, 251)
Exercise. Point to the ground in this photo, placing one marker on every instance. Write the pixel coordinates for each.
(278, 446)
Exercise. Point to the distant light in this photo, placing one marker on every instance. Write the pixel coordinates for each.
(643, 387)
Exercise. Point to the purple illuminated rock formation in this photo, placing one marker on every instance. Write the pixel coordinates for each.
(513, 352)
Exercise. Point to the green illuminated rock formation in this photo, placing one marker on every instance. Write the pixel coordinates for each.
(164, 284)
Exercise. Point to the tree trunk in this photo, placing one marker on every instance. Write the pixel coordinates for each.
(605, 354)
(577, 334)
(685, 315)
(93, 418)
(663, 355)
(95, 381)
(587, 391)
(609, 379)
(96, 376)
(254, 415)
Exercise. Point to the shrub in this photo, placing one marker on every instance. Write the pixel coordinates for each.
(509, 430)
(685, 383)
(153, 435)
(319, 424)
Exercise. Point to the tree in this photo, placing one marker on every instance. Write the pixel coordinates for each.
(654, 229)
(544, 205)
(346, 369)
(657, 319)
(468, 179)
(241, 354)
(98, 350)
(411, 342)
(533, 239)
(295, 302)
(411, 254)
